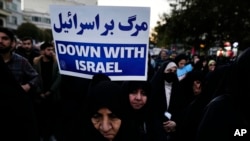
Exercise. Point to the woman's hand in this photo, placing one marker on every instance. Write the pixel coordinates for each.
(169, 126)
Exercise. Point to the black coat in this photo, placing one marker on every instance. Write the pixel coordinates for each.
(159, 103)
(17, 118)
(229, 111)
(221, 120)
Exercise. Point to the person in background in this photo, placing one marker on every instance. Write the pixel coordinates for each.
(17, 119)
(183, 67)
(137, 96)
(173, 55)
(27, 49)
(228, 113)
(166, 102)
(192, 86)
(195, 59)
(21, 69)
(211, 65)
(162, 57)
(220, 52)
(48, 91)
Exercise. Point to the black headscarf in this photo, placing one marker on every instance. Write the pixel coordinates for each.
(104, 94)
(230, 110)
(180, 57)
(158, 92)
(128, 87)
(241, 81)
(96, 79)
(138, 121)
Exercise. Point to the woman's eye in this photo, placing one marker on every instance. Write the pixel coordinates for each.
(134, 92)
(113, 117)
(96, 116)
(143, 92)
(5, 38)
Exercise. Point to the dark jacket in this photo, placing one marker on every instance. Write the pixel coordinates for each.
(159, 103)
(30, 57)
(56, 78)
(229, 111)
(17, 118)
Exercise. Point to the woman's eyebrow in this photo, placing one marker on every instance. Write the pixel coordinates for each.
(97, 114)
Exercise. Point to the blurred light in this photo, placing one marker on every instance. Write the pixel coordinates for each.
(235, 44)
(202, 45)
(226, 44)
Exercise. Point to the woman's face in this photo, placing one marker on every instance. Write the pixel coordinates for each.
(107, 123)
(137, 98)
(211, 67)
(164, 55)
(197, 87)
(182, 63)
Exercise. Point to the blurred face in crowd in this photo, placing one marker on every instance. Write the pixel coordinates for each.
(163, 55)
(107, 123)
(173, 55)
(137, 98)
(27, 45)
(5, 43)
(170, 73)
(197, 87)
(204, 63)
(182, 63)
(171, 70)
(196, 59)
(48, 52)
(211, 66)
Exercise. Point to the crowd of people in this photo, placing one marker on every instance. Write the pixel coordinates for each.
(198, 98)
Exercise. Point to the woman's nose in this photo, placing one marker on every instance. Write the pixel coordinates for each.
(105, 125)
(138, 95)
